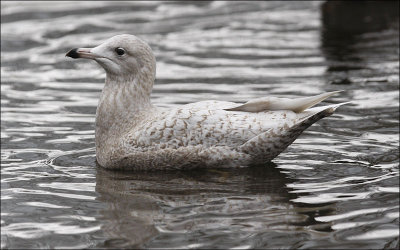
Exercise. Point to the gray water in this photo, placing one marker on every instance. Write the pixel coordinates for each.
(337, 186)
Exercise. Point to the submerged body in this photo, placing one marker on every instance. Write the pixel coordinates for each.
(131, 133)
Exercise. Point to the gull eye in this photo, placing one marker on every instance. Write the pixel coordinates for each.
(120, 51)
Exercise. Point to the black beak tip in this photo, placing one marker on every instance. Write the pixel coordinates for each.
(73, 53)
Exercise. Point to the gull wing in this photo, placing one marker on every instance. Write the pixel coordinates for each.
(297, 105)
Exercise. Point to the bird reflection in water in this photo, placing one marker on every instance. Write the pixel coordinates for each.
(160, 205)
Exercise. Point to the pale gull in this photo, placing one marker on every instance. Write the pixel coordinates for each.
(131, 133)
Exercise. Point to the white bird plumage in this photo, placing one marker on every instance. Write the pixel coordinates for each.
(131, 133)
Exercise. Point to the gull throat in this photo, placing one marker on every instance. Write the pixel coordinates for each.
(123, 101)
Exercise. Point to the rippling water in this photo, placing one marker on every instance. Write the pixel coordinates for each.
(337, 186)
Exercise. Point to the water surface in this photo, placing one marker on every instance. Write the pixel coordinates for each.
(337, 186)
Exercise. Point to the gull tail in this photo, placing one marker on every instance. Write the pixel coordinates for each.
(273, 103)
(266, 146)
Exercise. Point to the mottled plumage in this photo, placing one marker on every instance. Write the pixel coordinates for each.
(131, 133)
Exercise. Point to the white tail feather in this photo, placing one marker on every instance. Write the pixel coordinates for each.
(273, 103)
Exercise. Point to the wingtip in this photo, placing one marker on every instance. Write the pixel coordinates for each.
(335, 106)
(311, 101)
(334, 92)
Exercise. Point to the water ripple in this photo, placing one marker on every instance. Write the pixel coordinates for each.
(334, 187)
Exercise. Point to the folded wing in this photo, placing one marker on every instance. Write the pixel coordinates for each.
(273, 103)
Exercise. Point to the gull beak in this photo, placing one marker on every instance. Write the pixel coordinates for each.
(82, 53)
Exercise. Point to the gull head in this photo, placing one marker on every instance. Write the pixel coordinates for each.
(122, 56)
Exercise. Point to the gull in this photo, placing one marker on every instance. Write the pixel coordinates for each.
(133, 134)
